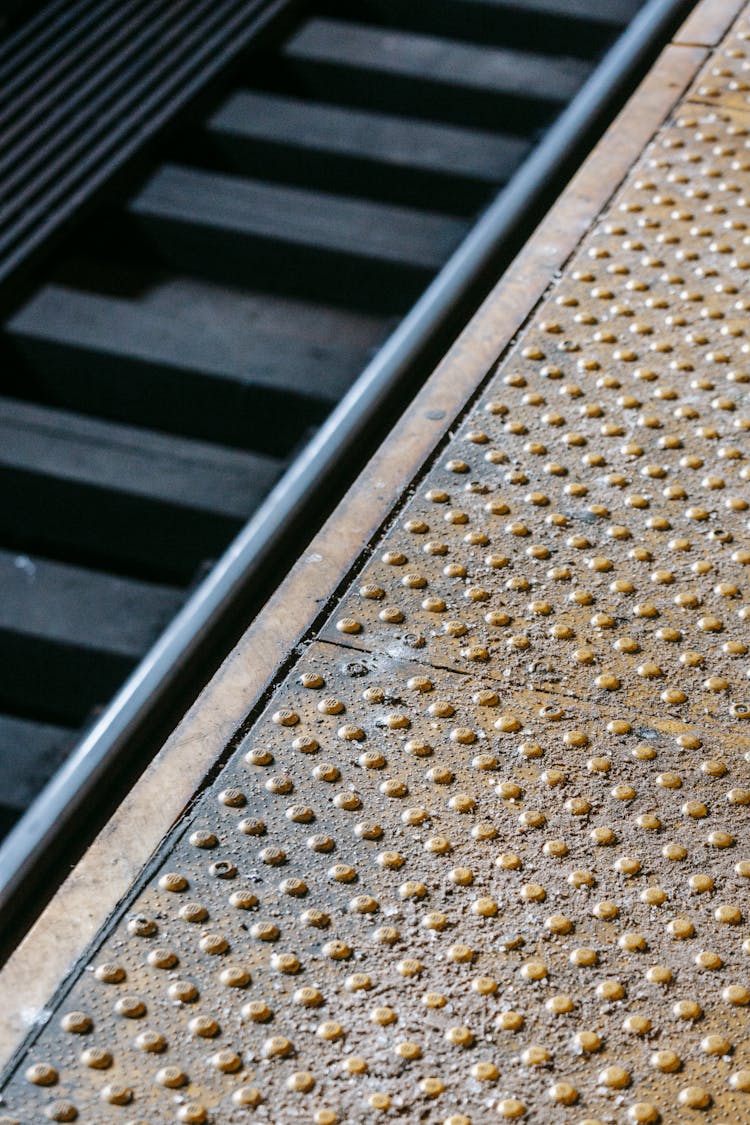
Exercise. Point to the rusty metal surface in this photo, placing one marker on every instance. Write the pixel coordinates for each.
(484, 855)
(408, 893)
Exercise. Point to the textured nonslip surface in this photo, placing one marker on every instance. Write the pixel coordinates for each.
(408, 892)
(485, 854)
(586, 529)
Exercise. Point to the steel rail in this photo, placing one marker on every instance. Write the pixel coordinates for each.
(159, 679)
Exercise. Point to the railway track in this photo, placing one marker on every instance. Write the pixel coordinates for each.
(200, 253)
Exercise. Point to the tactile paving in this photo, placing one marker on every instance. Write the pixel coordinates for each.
(725, 78)
(586, 530)
(409, 893)
(484, 856)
